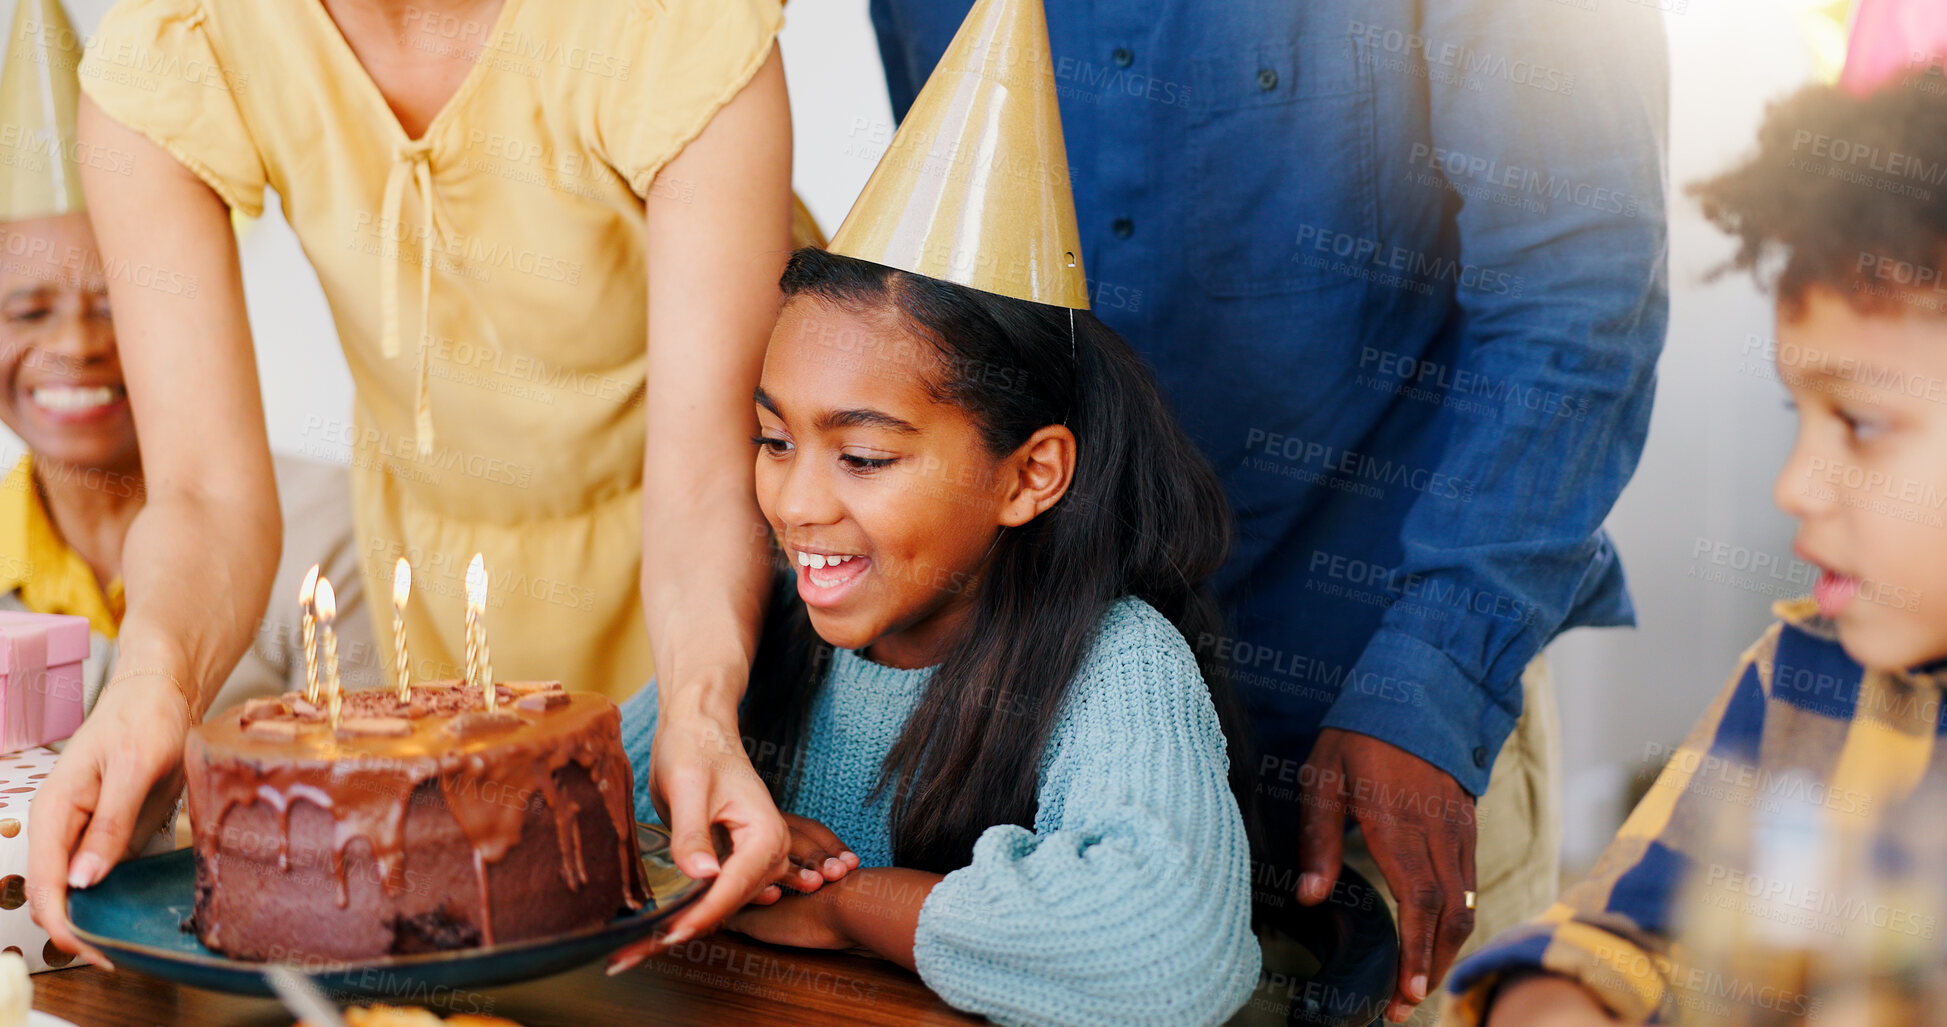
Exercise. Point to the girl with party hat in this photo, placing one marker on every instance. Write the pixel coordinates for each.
(974, 696)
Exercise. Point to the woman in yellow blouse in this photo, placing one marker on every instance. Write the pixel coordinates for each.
(548, 232)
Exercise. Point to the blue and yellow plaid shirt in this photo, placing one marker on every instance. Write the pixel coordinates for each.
(1797, 710)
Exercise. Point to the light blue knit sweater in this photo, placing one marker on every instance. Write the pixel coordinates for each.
(1129, 902)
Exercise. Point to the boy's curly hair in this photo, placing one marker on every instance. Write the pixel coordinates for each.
(1851, 191)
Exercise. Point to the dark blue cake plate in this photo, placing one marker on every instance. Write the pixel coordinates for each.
(135, 917)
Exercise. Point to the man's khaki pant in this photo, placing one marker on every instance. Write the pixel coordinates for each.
(1518, 838)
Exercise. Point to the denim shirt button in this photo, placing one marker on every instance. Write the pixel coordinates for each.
(1480, 756)
(1122, 57)
(1123, 228)
(1267, 79)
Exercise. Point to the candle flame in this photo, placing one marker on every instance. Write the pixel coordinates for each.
(476, 582)
(401, 583)
(327, 603)
(310, 587)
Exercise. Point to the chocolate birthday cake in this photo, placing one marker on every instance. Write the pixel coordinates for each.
(415, 827)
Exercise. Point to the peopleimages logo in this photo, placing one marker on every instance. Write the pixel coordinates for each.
(1467, 61)
(1430, 590)
(1413, 267)
(1526, 181)
(1356, 465)
(1873, 158)
(1420, 371)
(1830, 909)
(1095, 78)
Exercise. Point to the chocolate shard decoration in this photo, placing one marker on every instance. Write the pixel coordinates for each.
(275, 730)
(475, 723)
(374, 727)
(541, 701)
(264, 709)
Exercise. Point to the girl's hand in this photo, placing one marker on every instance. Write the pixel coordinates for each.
(801, 921)
(816, 858)
(875, 909)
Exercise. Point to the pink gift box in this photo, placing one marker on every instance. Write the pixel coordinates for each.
(40, 677)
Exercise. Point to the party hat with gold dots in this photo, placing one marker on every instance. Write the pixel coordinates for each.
(974, 188)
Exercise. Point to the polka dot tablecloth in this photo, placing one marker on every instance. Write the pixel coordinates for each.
(21, 774)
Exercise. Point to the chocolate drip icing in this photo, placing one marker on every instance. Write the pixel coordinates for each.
(491, 783)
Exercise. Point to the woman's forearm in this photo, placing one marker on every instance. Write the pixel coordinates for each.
(198, 571)
(704, 582)
(714, 262)
(199, 559)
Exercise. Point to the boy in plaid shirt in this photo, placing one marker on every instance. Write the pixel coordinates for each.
(1840, 701)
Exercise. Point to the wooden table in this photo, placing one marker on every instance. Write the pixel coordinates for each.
(716, 980)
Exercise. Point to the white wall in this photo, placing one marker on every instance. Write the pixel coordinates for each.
(1718, 434)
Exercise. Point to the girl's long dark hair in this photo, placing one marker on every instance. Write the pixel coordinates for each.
(1144, 516)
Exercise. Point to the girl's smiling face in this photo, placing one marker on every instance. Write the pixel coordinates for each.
(886, 499)
(62, 374)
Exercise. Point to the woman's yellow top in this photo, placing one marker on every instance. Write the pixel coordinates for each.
(487, 279)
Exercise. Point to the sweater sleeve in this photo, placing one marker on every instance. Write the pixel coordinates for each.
(1130, 901)
(638, 733)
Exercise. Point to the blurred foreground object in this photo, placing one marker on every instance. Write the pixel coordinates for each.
(1889, 37)
(16, 991)
(402, 1016)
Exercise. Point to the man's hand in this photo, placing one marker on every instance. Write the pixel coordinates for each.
(703, 784)
(1419, 826)
(113, 787)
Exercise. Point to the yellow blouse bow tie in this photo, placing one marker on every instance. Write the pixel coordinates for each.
(411, 160)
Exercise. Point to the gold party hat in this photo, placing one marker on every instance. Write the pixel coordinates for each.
(974, 188)
(38, 89)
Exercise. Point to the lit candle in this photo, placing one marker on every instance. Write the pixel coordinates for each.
(480, 662)
(401, 589)
(305, 594)
(472, 649)
(327, 610)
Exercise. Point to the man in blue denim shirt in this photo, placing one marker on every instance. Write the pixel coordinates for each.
(1400, 267)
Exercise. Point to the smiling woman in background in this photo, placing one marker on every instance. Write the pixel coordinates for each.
(66, 505)
(497, 196)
